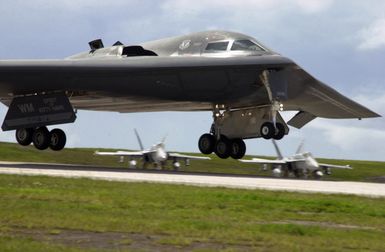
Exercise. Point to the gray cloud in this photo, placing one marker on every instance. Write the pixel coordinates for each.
(373, 36)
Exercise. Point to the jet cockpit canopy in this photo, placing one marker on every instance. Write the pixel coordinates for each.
(234, 45)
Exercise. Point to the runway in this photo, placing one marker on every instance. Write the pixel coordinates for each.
(194, 179)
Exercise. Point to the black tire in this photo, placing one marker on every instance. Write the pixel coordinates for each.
(57, 139)
(238, 148)
(41, 138)
(223, 147)
(206, 144)
(280, 131)
(267, 130)
(24, 136)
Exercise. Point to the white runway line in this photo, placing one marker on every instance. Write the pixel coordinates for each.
(329, 187)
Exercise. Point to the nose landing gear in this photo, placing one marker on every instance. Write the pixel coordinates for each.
(42, 138)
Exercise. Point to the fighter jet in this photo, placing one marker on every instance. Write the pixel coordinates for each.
(156, 155)
(241, 81)
(302, 164)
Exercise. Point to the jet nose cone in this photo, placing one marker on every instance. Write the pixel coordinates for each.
(162, 156)
(313, 163)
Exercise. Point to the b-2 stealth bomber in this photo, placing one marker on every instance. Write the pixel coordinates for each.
(241, 81)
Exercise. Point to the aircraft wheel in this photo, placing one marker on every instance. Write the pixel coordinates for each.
(58, 139)
(176, 165)
(267, 130)
(279, 132)
(206, 143)
(223, 147)
(41, 138)
(238, 148)
(24, 136)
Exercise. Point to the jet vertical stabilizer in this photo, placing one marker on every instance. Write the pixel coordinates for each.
(300, 148)
(139, 140)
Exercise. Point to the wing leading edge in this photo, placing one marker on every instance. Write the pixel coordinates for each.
(181, 156)
(263, 161)
(133, 154)
(335, 166)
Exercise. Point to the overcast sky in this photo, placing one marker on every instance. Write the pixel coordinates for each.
(342, 43)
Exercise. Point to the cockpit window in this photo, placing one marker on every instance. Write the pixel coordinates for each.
(217, 46)
(245, 45)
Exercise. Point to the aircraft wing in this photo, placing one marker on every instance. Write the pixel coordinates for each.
(145, 84)
(335, 166)
(262, 161)
(134, 154)
(181, 156)
(319, 100)
(138, 84)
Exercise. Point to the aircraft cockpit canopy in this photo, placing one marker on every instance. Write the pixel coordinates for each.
(307, 154)
(217, 46)
(234, 45)
(245, 45)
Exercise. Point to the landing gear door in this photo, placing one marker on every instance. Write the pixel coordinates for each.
(38, 110)
(278, 84)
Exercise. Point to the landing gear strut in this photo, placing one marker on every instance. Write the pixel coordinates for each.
(42, 138)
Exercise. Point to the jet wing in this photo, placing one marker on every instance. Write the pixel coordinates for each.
(181, 156)
(144, 84)
(335, 166)
(133, 154)
(263, 161)
(319, 100)
(137, 84)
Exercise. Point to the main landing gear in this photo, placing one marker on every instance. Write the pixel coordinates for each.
(42, 138)
(230, 127)
(223, 147)
(268, 131)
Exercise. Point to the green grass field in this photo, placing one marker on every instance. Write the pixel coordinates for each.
(362, 170)
(57, 214)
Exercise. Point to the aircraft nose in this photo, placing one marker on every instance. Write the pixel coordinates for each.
(162, 155)
(313, 163)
